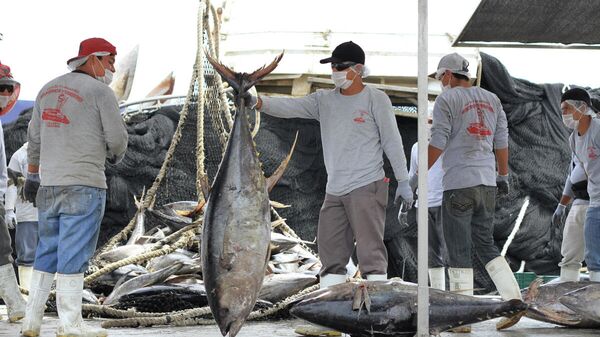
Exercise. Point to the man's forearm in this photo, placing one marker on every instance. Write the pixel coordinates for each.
(565, 200)
(33, 168)
(433, 153)
(502, 160)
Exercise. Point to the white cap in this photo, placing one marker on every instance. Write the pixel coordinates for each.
(453, 62)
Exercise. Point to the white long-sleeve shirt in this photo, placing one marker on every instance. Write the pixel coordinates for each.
(434, 178)
(23, 209)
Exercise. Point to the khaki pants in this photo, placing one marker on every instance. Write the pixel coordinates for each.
(358, 215)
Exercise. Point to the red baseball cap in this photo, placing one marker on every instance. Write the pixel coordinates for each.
(6, 76)
(94, 45)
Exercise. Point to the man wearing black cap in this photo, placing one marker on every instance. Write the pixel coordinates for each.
(357, 126)
(585, 143)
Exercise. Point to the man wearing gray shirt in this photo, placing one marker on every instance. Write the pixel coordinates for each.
(75, 128)
(357, 127)
(469, 125)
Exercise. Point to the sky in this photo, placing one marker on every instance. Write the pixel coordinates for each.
(40, 35)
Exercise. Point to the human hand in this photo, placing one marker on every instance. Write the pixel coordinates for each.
(559, 215)
(32, 184)
(503, 184)
(10, 218)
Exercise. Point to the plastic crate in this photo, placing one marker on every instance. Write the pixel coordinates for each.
(548, 278)
(525, 278)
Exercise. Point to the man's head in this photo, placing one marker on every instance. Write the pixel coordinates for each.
(96, 57)
(574, 104)
(347, 64)
(452, 71)
(9, 89)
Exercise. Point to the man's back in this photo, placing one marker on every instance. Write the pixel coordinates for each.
(75, 122)
(468, 123)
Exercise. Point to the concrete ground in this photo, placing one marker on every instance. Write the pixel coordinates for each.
(285, 328)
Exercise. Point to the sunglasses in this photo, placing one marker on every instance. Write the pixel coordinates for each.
(7, 87)
(342, 65)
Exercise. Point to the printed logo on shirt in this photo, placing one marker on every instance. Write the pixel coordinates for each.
(592, 153)
(360, 119)
(54, 117)
(477, 128)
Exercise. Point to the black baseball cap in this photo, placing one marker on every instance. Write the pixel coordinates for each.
(577, 94)
(346, 52)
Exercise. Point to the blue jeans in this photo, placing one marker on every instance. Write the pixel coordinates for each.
(26, 240)
(591, 230)
(69, 224)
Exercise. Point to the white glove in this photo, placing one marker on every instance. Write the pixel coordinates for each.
(11, 218)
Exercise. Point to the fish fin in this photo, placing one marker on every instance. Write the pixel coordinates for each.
(228, 75)
(357, 301)
(262, 72)
(533, 290)
(556, 317)
(274, 178)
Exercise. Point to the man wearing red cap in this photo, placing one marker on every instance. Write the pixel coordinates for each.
(9, 290)
(75, 127)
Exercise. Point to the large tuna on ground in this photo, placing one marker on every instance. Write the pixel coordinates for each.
(236, 233)
(389, 308)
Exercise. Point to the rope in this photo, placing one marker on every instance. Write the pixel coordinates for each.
(201, 177)
(282, 304)
(287, 230)
(163, 320)
(166, 249)
(106, 311)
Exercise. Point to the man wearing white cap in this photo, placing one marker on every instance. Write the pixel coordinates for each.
(75, 127)
(469, 125)
(9, 290)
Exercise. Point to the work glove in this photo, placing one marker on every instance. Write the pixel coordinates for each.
(250, 100)
(413, 181)
(10, 218)
(32, 184)
(559, 215)
(404, 196)
(502, 184)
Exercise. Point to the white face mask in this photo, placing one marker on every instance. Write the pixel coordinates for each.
(107, 78)
(340, 81)
(570, 122)
(428, 126)
(4, 101)
(445, 87)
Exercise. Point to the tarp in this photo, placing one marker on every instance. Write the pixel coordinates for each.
(537, 22)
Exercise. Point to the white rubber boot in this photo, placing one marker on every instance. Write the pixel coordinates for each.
(377, 277)
(569, 274)
(461, 282)
(39, 289)
(327, 280)
(437, 278)
(9, 291)
(595, 276)
(25, 276)
(69, 290)
(507, 286)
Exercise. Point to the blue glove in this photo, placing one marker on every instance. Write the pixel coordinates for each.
(559, 215)
(502, 184)
(32, 184)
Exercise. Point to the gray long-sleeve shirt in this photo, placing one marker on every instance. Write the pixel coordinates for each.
(355, 131)
(3, 168)
(75, 127)
(468, 124)
(587, 152)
